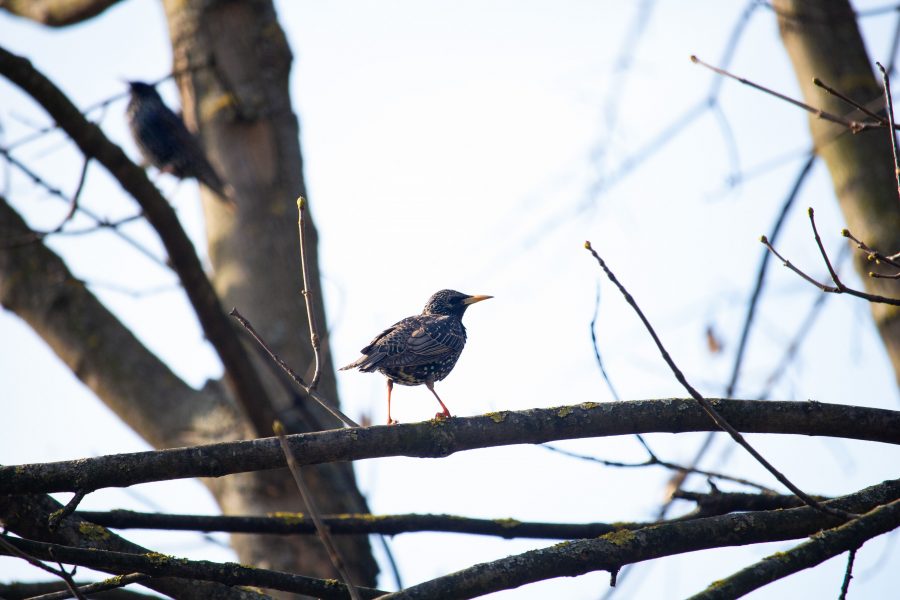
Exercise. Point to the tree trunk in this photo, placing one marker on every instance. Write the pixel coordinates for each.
(235, 63)
(823, 40)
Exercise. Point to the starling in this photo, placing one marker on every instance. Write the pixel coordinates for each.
(420, 349)
(166, 143)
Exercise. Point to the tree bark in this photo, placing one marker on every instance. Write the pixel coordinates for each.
(823, 40)
(57, 13)
(235, 63)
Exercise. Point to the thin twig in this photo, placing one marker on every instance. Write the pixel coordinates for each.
(872, 254)
(848, 574)
(831, 271)
(818, 82)
(61, 573)
(886, 80)
(307, 293)
(705, 404)
(854, 126)
(321, 528)
(73, 203)
(92, 588)
(57, 517)
(609, 384)
(790, 351)
(347, 421)
(825, 287)
(38, 180)
(678, 480)
(654, 461)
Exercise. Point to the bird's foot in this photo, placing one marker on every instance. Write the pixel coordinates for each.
(392, 421)
(442, 415)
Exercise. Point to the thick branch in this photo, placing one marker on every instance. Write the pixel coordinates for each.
(442, 438)
(93, 143)
(57, 13)
(161, 565)
(820, 548)
(38, 287)
(29, 515)
(612, 551)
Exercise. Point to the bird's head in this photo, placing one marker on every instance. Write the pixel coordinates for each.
(139, 89)
(450, 302)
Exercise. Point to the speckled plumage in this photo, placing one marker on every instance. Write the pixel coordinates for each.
(166, 143)
(420, 349)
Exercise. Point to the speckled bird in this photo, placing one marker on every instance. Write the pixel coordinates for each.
(166, 143)
(420, 349)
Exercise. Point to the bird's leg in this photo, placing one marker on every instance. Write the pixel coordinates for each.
(441, 415)
(390, 387)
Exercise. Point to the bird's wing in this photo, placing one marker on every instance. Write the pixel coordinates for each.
(412, 341)
(424, 342)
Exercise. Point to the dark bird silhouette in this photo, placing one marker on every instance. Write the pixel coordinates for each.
(420, 349)
(166, 143)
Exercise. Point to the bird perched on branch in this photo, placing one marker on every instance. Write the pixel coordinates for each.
(420, 349)
(166, 143)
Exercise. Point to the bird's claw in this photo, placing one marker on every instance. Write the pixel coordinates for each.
(441, 416)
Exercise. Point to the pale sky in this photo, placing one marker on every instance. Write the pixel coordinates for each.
(460, 143)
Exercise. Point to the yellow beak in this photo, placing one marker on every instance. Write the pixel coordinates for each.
(474, 299)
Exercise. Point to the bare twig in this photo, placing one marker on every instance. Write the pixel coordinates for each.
(308, 293)
(13, 550)
(818, 82)
(705, 404)
(842, 289)
(347, 421)
(886, 80)
(848, 574)
(57, 517)
(655, 461)
(678, 480)
(92, 588)
(854, 126)
(803, 329)
(73, 203)
(873, 255)
(56, 192)
(609, 384)
(321, 528)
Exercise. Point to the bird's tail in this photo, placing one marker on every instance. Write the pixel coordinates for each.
(363, 363)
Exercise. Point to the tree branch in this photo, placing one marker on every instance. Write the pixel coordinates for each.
(28, 515)
(437, 439)
(820, 548)
(355, 524)
(612, 551)
(37, 286)
(161, 565)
